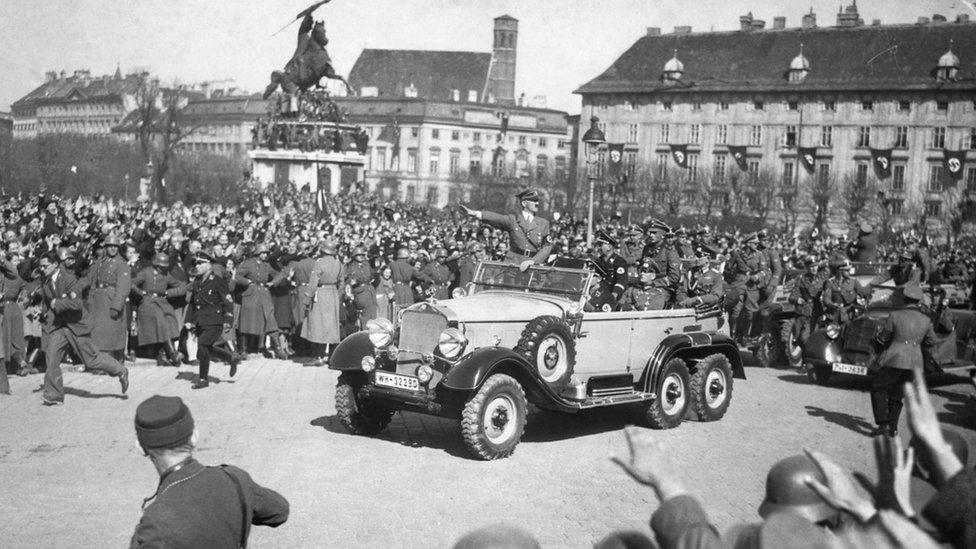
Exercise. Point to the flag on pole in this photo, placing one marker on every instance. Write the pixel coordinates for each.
(954, 161)
(680, 155)
(616, 160)
(808, 157)
(320, 203)
(738, 153)
(881, 158)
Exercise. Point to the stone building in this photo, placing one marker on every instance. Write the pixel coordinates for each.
(841, 95)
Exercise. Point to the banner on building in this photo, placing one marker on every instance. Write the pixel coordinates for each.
(680, 155)
(881, 158)
(808, 157)
(739, 155)
(615, 160)
(954, 161)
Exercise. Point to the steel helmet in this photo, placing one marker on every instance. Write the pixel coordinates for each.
(787, 490)
(161, 260)
(112, 240)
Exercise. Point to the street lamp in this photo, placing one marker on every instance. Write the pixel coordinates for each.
(592, 140)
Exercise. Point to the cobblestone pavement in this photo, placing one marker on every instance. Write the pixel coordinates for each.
(72, 475)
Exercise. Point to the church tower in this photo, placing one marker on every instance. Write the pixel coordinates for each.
(501, 79)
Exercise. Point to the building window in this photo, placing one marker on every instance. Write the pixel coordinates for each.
(861, 174)
(829, 105)
(898, 177)
(412, 161)
(756, 136)
(560, 168)
(938, 138)
(415, 131)
(696, 106)
(434, 164)
(692, 167)
(435, 133)
(823, 175)
(971, 180)
(381, 158)
(432, 195)
(901, 137)
(455, 162)
(665, 134)
(753, 171)
(632, 133)
(541, 167)
(942, 105)
(474, 166)
(543, 142)
(904, 106)
(476, 137)
(455, 135)
(758, 105)
(867, 105)
(972, 139)
(662, 165)
(790, 136)
(498, 164)
(521, 141)
(723, 105)
(792, 106)
(630, 162)
(667, 106)
(897, 206)
(561, 144)
(720, 162)
(694, 135)
(788, 174)
(722, 134)
(935, 178)
(933, 208)
(826, 136)
(411, 195)
(864, 136)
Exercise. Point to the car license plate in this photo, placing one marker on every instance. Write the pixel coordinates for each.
(397, 381)
(849, 369)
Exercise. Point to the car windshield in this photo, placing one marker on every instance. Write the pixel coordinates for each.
(569, 283)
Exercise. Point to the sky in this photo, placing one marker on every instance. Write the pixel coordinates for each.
(562, 43)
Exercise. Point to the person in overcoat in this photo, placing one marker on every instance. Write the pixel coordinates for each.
(359, 275)
(257, 318)
(906, 333)
(157, 321)
(301, 268)
(14, 342)
(403, 274)
(210, 312)
(322, 324)
(386, 294)
(108, 299)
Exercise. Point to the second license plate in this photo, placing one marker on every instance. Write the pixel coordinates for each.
(849, 369)
(397, 381)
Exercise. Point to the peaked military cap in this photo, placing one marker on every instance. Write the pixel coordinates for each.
(528, 194)
(202, 257)
(603, 236)
(656, 225)
(866, 228)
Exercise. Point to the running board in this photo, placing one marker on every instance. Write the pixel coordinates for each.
(600, 401)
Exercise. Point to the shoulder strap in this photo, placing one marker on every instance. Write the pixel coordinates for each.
(245, 523)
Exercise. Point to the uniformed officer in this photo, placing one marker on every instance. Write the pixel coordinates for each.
(210, 312)
(439, 274)
(110, 284)
(701, 285)
(13, 337)
(682, 245)
(749, 274)
(528, 234)
(195, 505)
(156, 319)
(805, 297)
(841, 292)
(632, 245)
(647, 294)
(905, 334)
(611, 267)
(403, 274)
(359, 276)
(257, 318)
(866, 245)
(468, 264)
(905, 270)
(774, 264)
(301, 269)
(661, 261)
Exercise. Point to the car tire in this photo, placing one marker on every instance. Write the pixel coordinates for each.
(360, 417)
(771, 350)
(547, 343)
(711, 387)
(820, 374)
(668, 409)
(493, 419)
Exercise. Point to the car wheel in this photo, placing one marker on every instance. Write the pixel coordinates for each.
(673, 396)
(771, 351)
(493, 419)
(820, 374)
(547, 343)
(359, 416)
(711, 387)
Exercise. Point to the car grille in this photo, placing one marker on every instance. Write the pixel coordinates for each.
(420, 331)
(860, 335)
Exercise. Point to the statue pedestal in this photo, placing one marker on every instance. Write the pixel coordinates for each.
(317, 169)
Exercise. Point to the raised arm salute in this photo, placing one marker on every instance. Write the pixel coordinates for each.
(531, 241)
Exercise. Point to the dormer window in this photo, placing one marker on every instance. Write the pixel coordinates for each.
(673, 69)
(799, 67)
(948, 68)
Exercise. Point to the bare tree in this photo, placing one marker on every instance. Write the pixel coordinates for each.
(959, 208)
(821, 196)
(760, 193)
(858, 196)
(160, 129)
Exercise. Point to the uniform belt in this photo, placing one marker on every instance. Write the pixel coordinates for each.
(103, 286)
(403, 283)
(155, 294)
(519, 251)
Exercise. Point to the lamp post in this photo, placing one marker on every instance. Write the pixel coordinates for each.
(592, 140)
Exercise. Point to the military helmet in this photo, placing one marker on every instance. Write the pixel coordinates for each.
(160, 260)
(476, 247)
(359, 250)
(440, 252)
(327, 247)
(402, 253)
(112, 240)
(787, 490)
(65, 254)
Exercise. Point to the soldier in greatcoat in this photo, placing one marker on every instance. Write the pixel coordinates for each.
(322, 324)
(906, 333)
(301, 268)
(404, 273)
(440, 275)
(110, 284)
(663, 263)
(528, 234)
(468, 264)
(257, 317)
(359, 276)
(12, 287)
(611, 267)
(157, 321)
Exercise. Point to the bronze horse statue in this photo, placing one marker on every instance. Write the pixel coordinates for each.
(309, 63)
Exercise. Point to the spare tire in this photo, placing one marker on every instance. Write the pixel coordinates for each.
(547, 343)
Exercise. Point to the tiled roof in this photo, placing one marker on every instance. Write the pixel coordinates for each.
(894, 57)
(434, 73)
(91, 89)
(248, 107)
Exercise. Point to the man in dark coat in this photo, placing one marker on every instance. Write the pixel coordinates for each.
(611, 267)
(359, 276)
(110, 284)
(842, 293)
(866, 246)
(210, 312)
(195, 505)
(805, 297)
(905, 335)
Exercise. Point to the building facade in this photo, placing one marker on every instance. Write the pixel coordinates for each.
(755, 98)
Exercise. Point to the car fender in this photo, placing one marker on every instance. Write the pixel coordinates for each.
(349, 353)
(471, 371)
(820, 349)
(690, 345)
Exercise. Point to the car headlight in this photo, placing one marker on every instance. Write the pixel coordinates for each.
(452, 343)
(380, 332)
(368, 363)
(458, 292)
(832, 331)
(424, 373)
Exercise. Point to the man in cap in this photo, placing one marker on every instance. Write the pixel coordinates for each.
(529, 235)
(257, 316)
(157, 321)
(805, 297)
(905, 270)
(701, 285)
(67, 325)
(359, 276)
(322, 326)
(108, 297)
(682, 245)
(440, 275)
(749, 272)
(195, 505)
(468, 263)
(611, 267)
(404, 273)
(906, 333)
(866, 245)
(210, 313)
(842, 293)
(661, 260)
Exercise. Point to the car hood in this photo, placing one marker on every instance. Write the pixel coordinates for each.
(497, 305)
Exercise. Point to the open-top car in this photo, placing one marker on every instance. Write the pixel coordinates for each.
(524, 337)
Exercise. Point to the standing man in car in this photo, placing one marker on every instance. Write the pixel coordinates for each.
(531, 241)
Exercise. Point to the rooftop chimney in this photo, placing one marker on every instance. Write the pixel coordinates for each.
(745, 22)
(50, 76)
(938, 18)
(758, 24)
(848, 17)
(654, 31)
(779, 22)
(922, 20)
(62, 75)
(875, 22)
(962, 18)
(685, 29)
(809, 20)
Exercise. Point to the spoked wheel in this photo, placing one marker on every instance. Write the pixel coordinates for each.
(711, 387)
(493, 419)
(672, 390)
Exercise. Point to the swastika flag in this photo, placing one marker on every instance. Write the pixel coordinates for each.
(881, 158)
